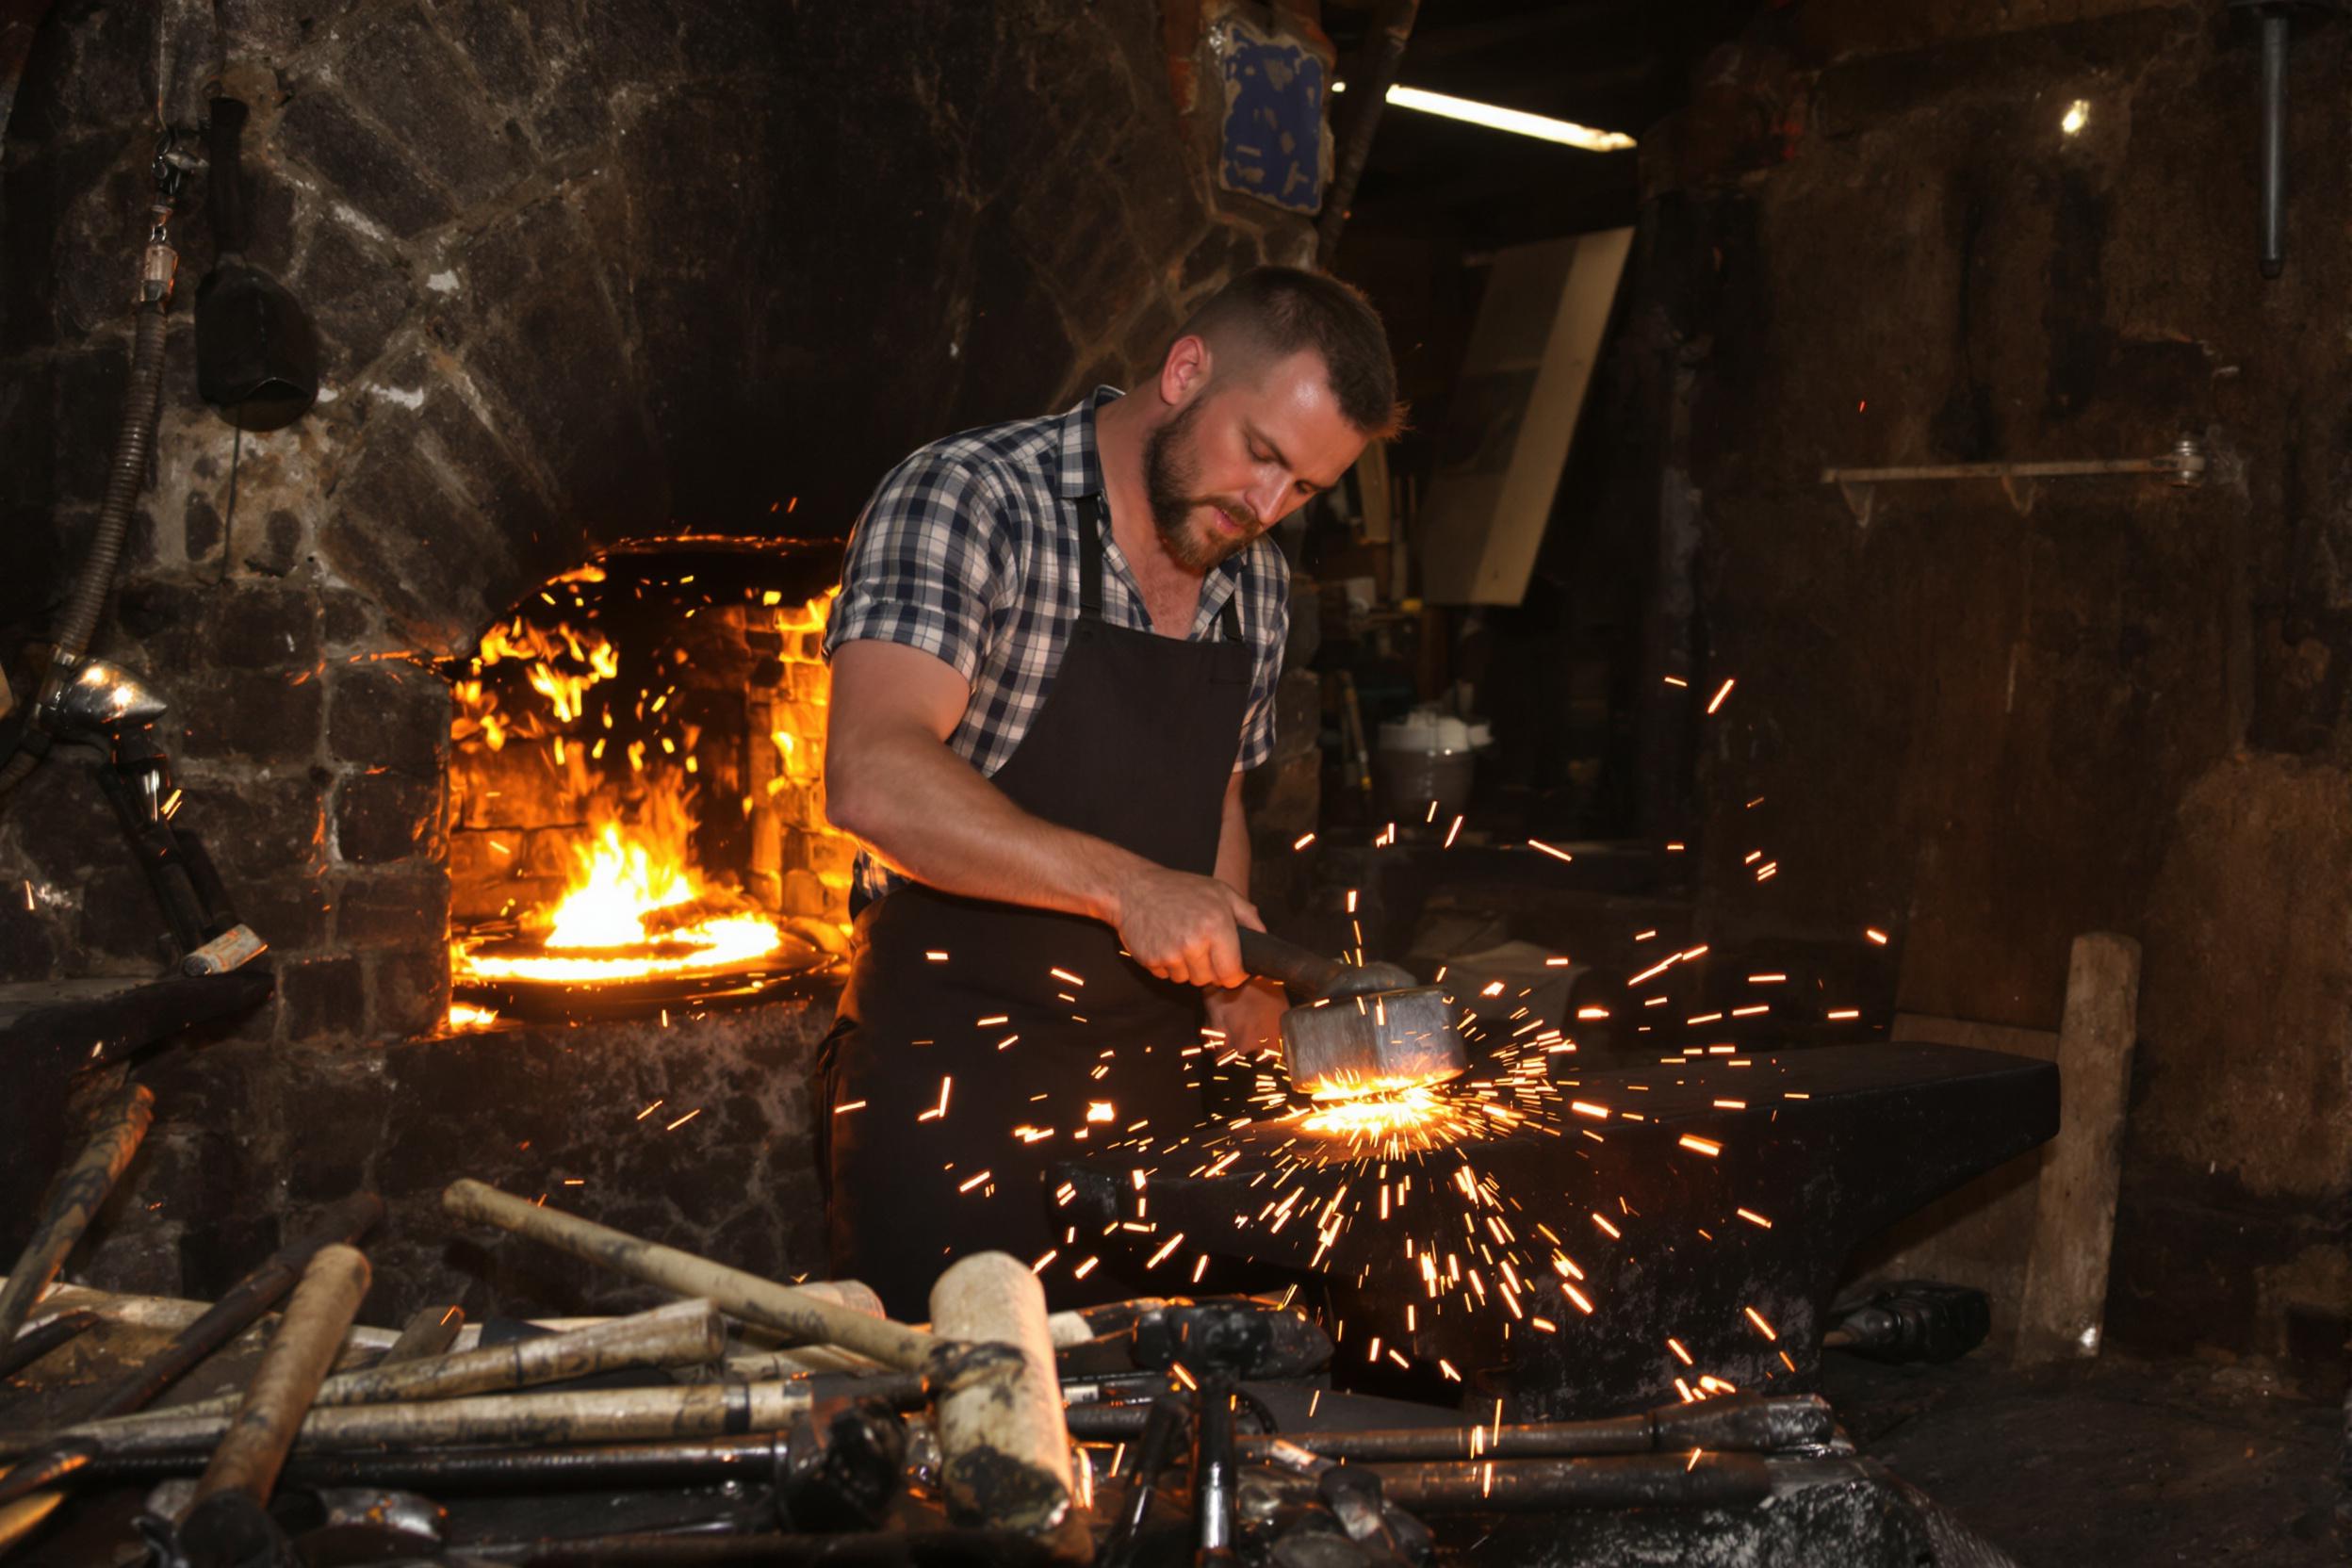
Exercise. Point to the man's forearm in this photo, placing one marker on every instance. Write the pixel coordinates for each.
(928, 814)
(1233, 842)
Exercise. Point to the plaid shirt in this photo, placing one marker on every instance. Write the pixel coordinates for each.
(969, 550)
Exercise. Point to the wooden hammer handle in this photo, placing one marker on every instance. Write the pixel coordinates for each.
(75, 1202)
(801, 1312)
(255, 1446)
(1269, 957)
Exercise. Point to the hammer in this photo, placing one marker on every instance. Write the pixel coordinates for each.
(1370, 1029)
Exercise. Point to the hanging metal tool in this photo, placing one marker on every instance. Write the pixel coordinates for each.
(2272, 21)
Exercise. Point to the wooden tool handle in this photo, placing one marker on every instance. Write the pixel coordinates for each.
(1269, 957)
(75, 1204)
(291, 1369)
(1003, 1442)
(800, 1312)
(683, 1333)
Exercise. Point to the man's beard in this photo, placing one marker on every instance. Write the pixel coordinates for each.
(1168, 471)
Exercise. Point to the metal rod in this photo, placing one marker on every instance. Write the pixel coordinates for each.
(2273, 26)
(2170, 463)
(1383, 50)
(43, 1337)
(1703, 1481)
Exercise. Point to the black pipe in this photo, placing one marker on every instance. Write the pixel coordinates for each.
(45, 1337)
(1514, 1486)
(2273, 26)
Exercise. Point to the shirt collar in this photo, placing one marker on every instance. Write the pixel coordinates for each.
(1080, 470)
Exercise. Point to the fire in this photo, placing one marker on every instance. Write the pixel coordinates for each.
(635, 907)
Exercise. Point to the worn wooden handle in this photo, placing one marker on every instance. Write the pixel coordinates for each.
(801, 1312)
(682, 1333)
(1003, 1442)
(253, 1446)
(75, 1204)
(599, 1415)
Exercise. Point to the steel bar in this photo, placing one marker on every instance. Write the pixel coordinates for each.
(1743, 1424)
(2274, 33)
(45, 1336)
(1701, 1480)
(2168, 462)
(952, 1548)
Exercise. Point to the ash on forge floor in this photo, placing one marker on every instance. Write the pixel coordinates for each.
(2108, 1462)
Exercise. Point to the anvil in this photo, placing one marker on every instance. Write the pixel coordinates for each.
(1703, 1209)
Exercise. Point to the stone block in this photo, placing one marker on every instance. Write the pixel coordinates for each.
(290, 913)
(415, 85)
(438, 568)
(346, 619)
(280, 545)
(200, 626)
(408, 989)
(356, 294)
(385, 817)
(392, 715)
(256, 826)
(249, 715)
(801, 893)
(490, 36)
(199, 528)
(378, 178)
(407, 905)
(324, 998)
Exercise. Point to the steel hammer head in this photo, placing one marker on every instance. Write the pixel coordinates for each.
(1372, 1043)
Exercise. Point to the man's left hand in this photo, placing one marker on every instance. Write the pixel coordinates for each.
(1250, 1015)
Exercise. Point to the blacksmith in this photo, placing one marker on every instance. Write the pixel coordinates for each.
(1054, 654)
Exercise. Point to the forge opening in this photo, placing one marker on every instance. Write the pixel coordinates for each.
(636, 786)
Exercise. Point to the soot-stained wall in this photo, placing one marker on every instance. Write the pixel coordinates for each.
(581, 272)
(2126, 709)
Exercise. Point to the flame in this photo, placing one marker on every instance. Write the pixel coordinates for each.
(636, 902)
(627, 876)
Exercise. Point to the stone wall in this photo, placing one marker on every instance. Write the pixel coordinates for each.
(581, 270)
(1985, 730)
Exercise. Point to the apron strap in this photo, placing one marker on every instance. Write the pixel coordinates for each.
(1090, 559)
(1231, 618)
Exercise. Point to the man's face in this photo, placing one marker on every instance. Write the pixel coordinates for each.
(1241, 454)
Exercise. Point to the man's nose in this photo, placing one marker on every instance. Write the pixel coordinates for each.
(1269, 501)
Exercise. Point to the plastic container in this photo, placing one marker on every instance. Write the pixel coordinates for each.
(1428, 754)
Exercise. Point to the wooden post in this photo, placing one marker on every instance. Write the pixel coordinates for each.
(2059, 1314)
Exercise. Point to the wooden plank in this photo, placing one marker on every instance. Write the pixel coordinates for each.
(2064, 1305)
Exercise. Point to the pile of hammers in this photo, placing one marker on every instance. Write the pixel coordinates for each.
(756, 1421)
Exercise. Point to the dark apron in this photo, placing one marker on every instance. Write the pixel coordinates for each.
(1134, 745)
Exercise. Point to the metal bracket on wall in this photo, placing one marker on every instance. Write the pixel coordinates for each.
(2183, 467)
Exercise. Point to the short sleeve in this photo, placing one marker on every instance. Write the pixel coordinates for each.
(922, 564)
(1257, 725)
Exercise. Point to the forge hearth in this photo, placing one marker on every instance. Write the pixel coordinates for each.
(636, 808)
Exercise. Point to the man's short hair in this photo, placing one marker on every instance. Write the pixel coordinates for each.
(1287, 309)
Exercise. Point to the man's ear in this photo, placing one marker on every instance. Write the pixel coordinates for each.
(1185, 373)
